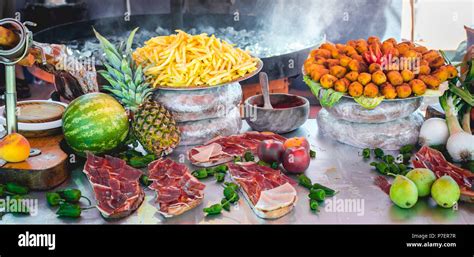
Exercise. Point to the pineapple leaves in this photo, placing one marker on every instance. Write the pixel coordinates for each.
(128, 48)
(126, 79)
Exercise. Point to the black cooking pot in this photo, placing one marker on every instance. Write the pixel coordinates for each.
(277, 67)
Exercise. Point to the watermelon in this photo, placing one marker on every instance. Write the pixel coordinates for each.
(95, 123)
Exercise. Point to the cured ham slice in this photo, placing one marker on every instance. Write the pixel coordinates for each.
(223, 149)
(434, 160)
(269, 192)
(177, 191)
(116, 185)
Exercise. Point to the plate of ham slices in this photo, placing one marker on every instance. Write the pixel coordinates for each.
(177, 191)
(223, 149)
(116, 185)
(269, 192)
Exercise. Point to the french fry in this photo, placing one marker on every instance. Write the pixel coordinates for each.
(183, 60)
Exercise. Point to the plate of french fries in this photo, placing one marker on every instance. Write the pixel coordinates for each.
(185, 62)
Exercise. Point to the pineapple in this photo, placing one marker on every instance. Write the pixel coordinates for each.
(152, 124)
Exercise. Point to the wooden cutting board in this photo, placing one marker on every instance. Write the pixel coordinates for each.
(42, 172)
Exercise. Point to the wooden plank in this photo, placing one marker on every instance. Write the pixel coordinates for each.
(42, 172)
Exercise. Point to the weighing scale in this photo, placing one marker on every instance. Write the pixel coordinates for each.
(46, 167)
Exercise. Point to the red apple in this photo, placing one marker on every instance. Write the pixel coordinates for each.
(296, 159)
(270, 151)
(297, 142)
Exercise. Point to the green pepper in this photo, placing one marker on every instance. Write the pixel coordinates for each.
(313, 205)
(219, 177)
(53, 198)
(248, 156)
(329, 192)
(407, 149)
(145, 180)
(379, 153)
(221, 168)
(366, 153)
(237, 159)
(304, 181)
(393, 168)
(21, 208)
(16, 189)
(406, 158)
(141, 161)
(234, 186)
(262, 163)
(402, 168)
(312, 154)
(213, 209)
(71, 195)
(382, 167)
(225, 204)
(317, 194)
(69, 210)
(469, 166)
(275, 165)
(231, 195)
(388, 159)
(200, 173)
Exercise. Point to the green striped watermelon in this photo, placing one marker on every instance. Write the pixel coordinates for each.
(96, 123)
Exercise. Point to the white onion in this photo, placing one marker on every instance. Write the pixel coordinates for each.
(434, 131)
(460, 146)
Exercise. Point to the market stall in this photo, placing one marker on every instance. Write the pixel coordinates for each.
(163, 132)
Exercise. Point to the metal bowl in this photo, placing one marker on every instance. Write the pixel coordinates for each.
(276, 120)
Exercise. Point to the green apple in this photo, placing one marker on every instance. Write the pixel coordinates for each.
(403, 192)
(445, 191)
(423, 179)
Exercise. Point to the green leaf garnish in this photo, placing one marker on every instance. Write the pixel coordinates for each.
(369, 103)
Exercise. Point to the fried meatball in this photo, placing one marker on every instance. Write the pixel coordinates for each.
(337, 71)
(411, 54)
(344, 60)
(336, 54)
(364, 78)
(356, 89)
(421, 49)
(403, 91)
(373, 40)
(418, 87)
(352, 76)
(371, 90)
(379, 77)
(452, 71)
(395, 78)
(407, 75)
(403, 48)
(341, 85)
(389, 91)
(324, 53)
(391, 40)
(327, 81)
(332, 62)
(373, 67)
(442, 74)
(318, 73)
(361, 46)
(328, 46)
(424, 70)
(431, 81)
(354, 65)
(387, 47)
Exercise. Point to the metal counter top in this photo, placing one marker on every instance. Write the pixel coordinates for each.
(336, 165)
